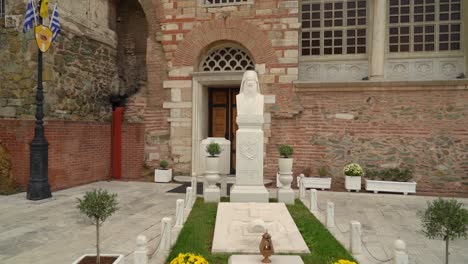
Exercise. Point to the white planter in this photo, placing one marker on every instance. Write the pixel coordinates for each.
(353, 183)
(285, 165)
(212, 171)
(120, 258)
(162, 175)
(286, 180)
(391, 186)
(315, 182)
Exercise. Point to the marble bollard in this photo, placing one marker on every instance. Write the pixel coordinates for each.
(399, 252)
(330, 214)
(313, 200)
(194, 186)
(140, 256)
(355, 237)
(188, 198)
(166, 232)
(179, 213)
(301, 187)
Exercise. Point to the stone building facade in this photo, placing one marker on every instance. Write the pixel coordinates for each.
(378, 82)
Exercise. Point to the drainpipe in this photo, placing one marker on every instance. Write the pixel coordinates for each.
(118, 107)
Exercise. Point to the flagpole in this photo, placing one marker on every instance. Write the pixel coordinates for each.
(38, 186)
(34, 11)
(53, 13)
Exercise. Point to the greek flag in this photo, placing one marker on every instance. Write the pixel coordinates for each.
(30, 18)
(55, 24)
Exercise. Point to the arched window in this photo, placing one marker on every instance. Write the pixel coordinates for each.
(227, 58)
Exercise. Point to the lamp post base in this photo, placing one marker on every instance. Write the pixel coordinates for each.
(38, 190)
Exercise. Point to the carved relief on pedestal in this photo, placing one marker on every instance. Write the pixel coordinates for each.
(248, 149)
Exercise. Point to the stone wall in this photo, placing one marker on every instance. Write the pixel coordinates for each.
(422, 128)
(79, 69)
(79, 151)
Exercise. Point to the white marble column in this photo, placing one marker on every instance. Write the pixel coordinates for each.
(377, 61)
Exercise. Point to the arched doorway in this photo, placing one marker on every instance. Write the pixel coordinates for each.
(132, 32)
(215, 88)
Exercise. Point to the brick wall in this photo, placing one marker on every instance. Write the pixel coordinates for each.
(424, 130)
(79, 151)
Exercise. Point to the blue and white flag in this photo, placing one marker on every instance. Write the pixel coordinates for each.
(30, 19)
(55, 24)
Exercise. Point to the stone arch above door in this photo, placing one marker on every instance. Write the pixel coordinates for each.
(230, 29)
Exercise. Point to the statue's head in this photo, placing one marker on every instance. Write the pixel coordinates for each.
(250, 83)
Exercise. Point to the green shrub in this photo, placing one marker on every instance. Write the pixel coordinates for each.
(163, 164)
(323, 171)
(353, 169)
(98, 205)
(446, 219)
(392, 174)
(214, 149)
(285, 151)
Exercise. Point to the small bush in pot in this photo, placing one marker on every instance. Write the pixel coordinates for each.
(285, 151)
(163, 164)
(353, 169)
(98, 205)
(213, 149)
(446, 219)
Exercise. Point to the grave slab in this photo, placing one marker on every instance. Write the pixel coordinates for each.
(240, 226)
(256, 259)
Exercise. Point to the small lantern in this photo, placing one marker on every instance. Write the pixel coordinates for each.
(266, 247)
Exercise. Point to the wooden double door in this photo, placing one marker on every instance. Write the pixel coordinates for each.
(222, 117)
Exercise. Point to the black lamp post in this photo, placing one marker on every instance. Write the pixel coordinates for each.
(38, 186)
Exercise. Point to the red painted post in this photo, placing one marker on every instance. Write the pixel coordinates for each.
(117, 115)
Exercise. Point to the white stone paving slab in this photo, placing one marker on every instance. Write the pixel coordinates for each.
(240, 226)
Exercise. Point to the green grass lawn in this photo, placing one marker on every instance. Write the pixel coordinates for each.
(197, 236)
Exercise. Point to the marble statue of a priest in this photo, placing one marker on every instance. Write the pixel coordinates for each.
(250, 101)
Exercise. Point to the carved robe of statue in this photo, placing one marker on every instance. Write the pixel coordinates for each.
(250, 100)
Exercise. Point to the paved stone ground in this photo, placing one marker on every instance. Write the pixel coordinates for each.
(53, 231)
(385, 218)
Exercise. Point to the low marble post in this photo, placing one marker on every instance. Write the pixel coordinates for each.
(355, 237)
(166, 232)
(140, 256)
(330, 214)
(313, 200)
(188, 198)
(399, 252)
(301, 187)
(194, 186)
(179, 213)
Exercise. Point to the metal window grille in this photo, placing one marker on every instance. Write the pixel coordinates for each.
(2, 8)
(424, 25)
(333, 27)
(224, 2)
(227, 59)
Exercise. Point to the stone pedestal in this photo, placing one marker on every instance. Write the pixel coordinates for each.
(286, 196)
(249, 161)
(212, 195)
(256, 259)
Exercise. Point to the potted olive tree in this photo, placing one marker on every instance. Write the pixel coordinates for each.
(446, 219)
(353, 174)
(212, 163)
(163, 174)
(98, 205)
